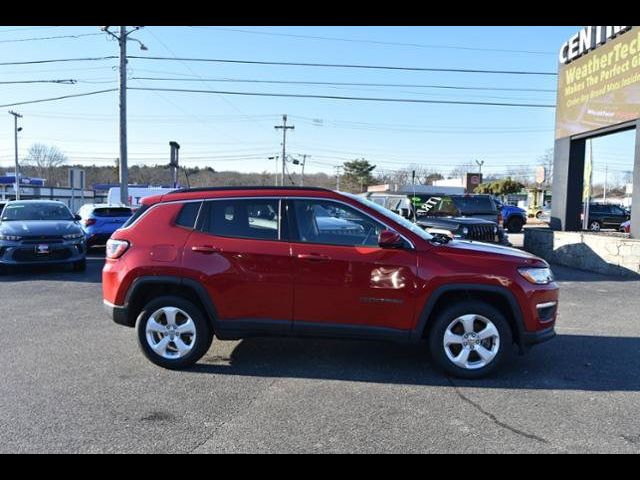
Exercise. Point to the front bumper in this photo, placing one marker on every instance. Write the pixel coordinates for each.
(21, 253)
(533, 338)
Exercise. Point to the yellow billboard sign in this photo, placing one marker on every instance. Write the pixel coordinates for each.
(601, 88)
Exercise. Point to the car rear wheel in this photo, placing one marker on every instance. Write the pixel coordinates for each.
(595, 226)
(515, 225)
(173, 333)
(470, 340)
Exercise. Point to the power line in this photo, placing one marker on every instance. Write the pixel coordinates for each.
(58, 60)
(63, 82)
(296, 82)
(334, 65)
(49, 38)
(336, 97)
(376, 42)
(58, 98)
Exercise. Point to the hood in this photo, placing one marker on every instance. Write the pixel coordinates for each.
(454, 221)
(466, 247)
(27, 228)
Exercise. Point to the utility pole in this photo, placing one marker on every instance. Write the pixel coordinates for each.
(480, 164)
(338, 167)
(284, 128)
(298, 162)
(276, 159)
(174, 163)
(606, 175)
(122, 38)
(17, 168)
(304, 160)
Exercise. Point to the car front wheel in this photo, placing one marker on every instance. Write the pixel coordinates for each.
(470, 340)
(173, 332)
(515, 225)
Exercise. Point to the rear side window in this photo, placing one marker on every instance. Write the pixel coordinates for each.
(188, 215)
(256, 219)
(136, 215)
(112, 212)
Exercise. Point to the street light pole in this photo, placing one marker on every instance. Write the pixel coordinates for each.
(480, 163)
(17, 167)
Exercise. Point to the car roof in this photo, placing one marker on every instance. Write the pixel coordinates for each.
(52, 202)
(243, 191)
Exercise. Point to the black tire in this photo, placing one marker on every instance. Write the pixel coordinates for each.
(595, 226)
(440, 324)
(515, 225)
(203, 332)
(80, 265)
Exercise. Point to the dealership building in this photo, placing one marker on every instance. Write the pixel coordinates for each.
(598, 95)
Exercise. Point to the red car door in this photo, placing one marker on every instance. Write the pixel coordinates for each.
(237, 254)
(341, 275)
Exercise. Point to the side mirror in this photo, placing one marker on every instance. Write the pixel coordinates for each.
(390, 239)
(77, 217)
(440, 235)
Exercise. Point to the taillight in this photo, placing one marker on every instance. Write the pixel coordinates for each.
(116, 248)
(87, 222)
(500, 219)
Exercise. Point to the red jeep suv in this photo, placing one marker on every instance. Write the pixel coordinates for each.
(236, 262)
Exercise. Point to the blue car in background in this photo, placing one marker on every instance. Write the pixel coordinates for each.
(513, 218)
(99, 221)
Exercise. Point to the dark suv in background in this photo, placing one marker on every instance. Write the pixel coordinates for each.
(467, 217)
(604, 215)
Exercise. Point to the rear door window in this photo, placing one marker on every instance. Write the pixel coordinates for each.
(257, 219)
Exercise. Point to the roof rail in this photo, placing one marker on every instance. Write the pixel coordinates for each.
(245, 187)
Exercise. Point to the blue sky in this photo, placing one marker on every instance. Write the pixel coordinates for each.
(232, 132)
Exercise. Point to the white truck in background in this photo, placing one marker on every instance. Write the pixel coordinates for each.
(136, 194)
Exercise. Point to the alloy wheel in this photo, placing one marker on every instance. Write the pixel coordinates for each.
(170, 332)
(471, 341)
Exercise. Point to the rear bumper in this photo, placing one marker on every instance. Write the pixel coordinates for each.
(119, 314)
(97, 239)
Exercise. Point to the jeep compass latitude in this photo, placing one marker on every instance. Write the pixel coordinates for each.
(236, 262)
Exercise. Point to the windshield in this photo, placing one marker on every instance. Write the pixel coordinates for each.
(36, 211)
(474, 204)
(392, 216)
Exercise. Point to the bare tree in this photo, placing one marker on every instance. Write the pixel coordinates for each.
(546, 160)
(45, 160)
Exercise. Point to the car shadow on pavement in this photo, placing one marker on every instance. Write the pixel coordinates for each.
(568, 362)
(62, 273)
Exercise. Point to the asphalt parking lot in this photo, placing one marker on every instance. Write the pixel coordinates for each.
(72, 381)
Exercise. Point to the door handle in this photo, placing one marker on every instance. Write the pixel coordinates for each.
(314, 257)
(206, 249)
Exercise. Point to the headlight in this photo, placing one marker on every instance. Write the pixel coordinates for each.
(73, 236)
(465, 231)
(10, 238)
(539, 276)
